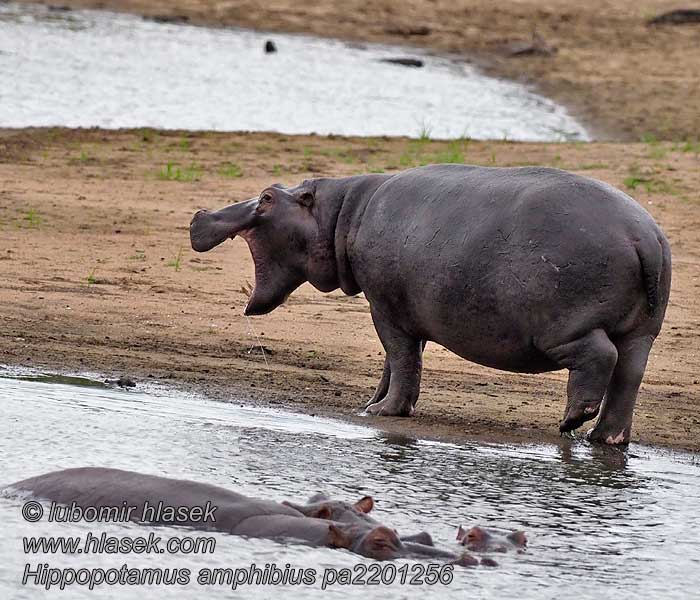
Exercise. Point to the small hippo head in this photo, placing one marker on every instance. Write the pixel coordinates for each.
(478, 539)
(322, 507)
(379, 543)
(286, 233)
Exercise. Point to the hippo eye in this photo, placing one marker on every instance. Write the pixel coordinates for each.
(266, 197)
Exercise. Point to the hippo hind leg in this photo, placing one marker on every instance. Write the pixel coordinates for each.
(591, 360)
(397, 392)
(615, 422)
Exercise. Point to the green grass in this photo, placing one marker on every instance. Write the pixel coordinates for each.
(138, 255)
(31, 219)
(688, 146)
(147, 135)
(592, 166)
(91, 278)
(172, 172)
(231, 171)
(648, 183)
(424, 132)
(176, 263)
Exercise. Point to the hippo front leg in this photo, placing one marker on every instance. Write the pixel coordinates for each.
(383, 385)
(397, 392)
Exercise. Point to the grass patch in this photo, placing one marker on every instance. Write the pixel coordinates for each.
(592, 167)
(31, 219)
(172, 172)
(648, 183)
(176, 263)
(147, 135)
(231, 171)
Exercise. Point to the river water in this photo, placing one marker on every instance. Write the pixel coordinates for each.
(601, 523)
(91, 68)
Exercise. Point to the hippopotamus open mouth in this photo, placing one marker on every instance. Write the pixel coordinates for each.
(277, 228)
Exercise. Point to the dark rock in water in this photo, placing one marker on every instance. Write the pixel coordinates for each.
(680, 16)
(408, 31)
(122, 382)
(405, 62)
(270, 47)
(59, 8)
(168, 18)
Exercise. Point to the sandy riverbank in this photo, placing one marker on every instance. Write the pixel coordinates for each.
(96, 273)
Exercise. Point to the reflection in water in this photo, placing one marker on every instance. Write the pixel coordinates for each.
(598, 521)
(88, 68)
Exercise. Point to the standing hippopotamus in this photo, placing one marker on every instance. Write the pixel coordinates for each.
(521, 269)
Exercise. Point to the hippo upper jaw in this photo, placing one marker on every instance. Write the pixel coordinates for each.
(209, 229)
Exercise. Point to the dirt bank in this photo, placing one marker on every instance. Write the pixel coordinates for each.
(96, 273)
(625, 79)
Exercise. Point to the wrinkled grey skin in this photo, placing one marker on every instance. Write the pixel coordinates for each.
(521, 269)
(235, 514)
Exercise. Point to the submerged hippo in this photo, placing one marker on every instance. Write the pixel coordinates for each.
(96, 487)
(521, 269)
(478, 539)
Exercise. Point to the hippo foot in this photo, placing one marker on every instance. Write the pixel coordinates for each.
(612, 437)
(578, 414)
(389, 407)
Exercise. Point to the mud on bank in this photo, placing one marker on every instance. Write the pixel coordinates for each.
(621, 76)
(96, 273)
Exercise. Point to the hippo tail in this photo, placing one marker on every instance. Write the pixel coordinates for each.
(655, 257)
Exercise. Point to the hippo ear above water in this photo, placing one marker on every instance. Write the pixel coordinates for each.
(365, 504)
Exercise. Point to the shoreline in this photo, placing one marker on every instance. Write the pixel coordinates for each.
(394, 429)
(98, 275)
(621, 78)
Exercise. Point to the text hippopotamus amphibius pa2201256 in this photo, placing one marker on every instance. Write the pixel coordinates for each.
(521, 269)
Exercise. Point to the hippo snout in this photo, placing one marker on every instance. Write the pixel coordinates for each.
(201, 229)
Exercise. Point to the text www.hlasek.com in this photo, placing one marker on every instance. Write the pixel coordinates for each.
(106, 544)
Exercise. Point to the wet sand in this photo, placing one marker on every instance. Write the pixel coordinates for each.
(623, 78)
(96, 274)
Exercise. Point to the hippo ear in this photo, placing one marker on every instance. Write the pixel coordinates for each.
(305, 198)
(461, 533)
(518, 538)
(337, 537)
(365, 504)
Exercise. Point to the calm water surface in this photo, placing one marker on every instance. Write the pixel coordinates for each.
(602, 523)
(90, 68)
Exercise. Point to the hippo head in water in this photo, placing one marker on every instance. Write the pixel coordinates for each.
(294, 235)
(320, 506)
(478, 539)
